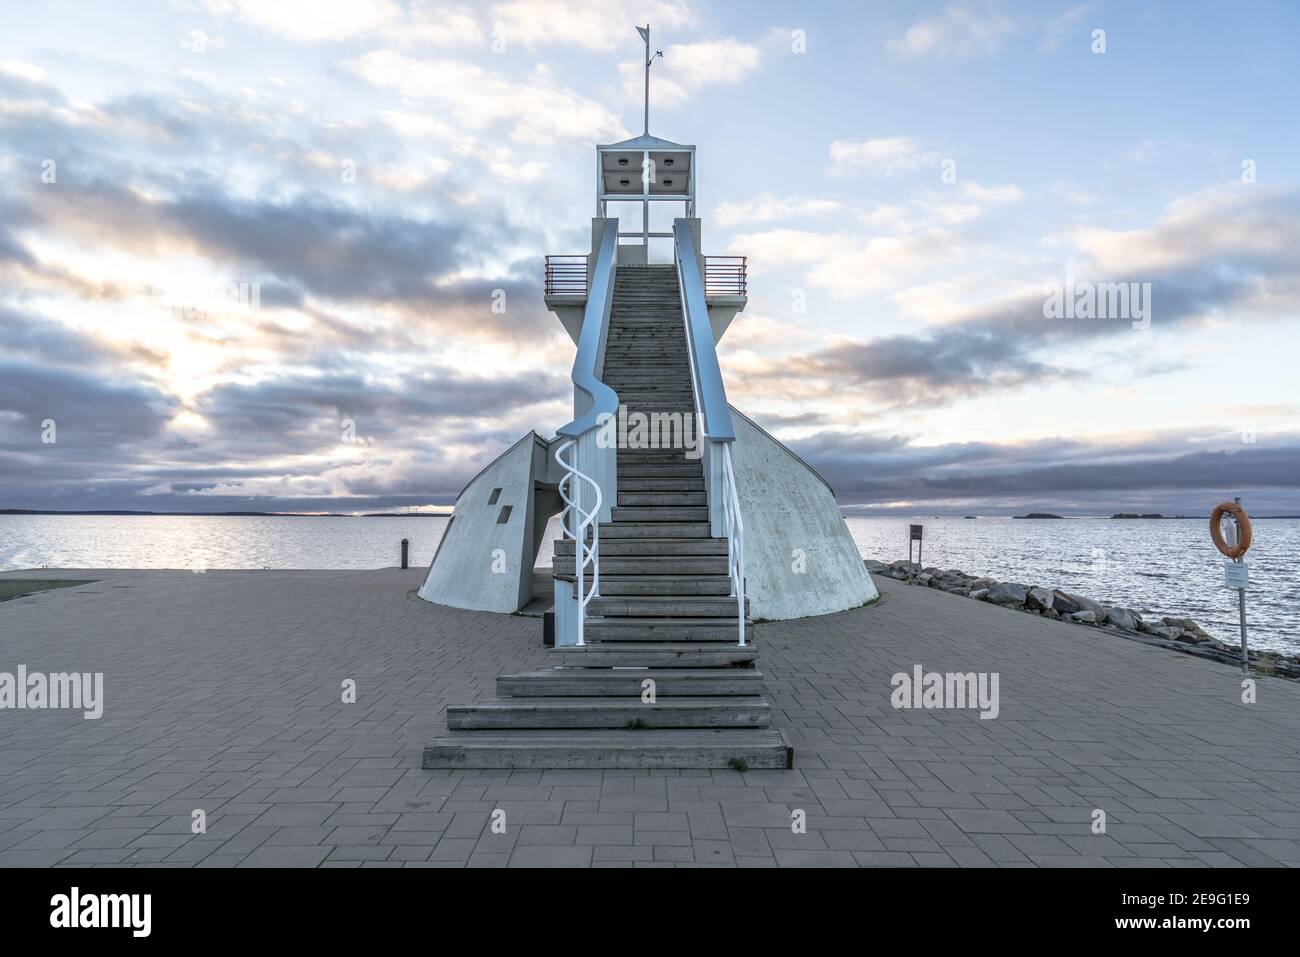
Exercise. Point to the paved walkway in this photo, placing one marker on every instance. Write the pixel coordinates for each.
(223, 693)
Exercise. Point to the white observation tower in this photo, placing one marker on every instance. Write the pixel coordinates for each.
(682, 520)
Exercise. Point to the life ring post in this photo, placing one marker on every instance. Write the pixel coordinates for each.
(1236, 551)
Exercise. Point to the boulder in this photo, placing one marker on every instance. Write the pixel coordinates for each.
(1087, 604)
(901, 569)
(1063, 604)
(924, 578)
(1087, 616)
(980, 594)
(1166, 632)
(1191, 630)
(875, 566)
(1125, 618)
(983, 582)
(1038, 599)
(1008, 593)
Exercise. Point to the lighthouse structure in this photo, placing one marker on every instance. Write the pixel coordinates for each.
(682, 520)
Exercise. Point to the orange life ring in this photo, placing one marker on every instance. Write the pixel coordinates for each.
(1243, 529)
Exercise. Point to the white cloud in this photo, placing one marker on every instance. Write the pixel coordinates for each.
(956, 31)
(766, 208)
(1221, 224)
(845, 264)
(894, 154)
(311, 20)
(992, 194)
(198, 41)
(22, 71)
(590, 24)
(686, 68)
(478, 98)
(1062, 24)
(444, 26)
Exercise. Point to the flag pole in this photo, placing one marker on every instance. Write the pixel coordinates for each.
(645, 35)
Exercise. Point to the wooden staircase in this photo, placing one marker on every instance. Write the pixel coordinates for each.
(661, 681)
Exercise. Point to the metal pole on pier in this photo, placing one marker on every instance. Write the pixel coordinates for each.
(1241, 606)
(406, 544)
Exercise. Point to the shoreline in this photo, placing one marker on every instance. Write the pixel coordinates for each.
(1167, 631)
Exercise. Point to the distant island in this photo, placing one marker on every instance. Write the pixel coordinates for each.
(1136, 515)
(1038, 515)
(970, 516)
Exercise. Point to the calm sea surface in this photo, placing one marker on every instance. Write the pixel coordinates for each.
(1164, 566)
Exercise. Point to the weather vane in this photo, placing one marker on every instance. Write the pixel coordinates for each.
(645, 35)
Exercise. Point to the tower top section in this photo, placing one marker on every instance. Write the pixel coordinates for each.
(645, 169)
(641, 171)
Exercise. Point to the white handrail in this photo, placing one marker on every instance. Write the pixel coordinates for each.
(735, 528)
(712, 413)
(583, 554)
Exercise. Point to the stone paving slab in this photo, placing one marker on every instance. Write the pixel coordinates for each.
(224, 693)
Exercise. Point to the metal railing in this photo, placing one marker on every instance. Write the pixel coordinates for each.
(735, 529)
(714, 415)
(592, 470)
(725, 275)
(566, 275)
(574, 522)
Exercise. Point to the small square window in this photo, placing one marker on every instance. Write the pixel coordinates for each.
(505, 515)
(496, 494)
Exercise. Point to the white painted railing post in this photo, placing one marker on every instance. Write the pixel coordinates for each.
(574, 522)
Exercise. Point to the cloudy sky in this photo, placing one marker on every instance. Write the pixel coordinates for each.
(909, 182)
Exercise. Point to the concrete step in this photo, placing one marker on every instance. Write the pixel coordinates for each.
(630, 682)
(615, 585)
(671, 548)
(672, 499)
(658, 458)
(648, 382)
(638, 530)
(646, 483)
(642, 361)
(687, 630)
(738, 749)
(655, 457)
(660, 513)
(647, 566)
(653, 654)
(628, 472)
(673, 391)
(668, 337)
(652, 385)
(615, 713)
(676, 607)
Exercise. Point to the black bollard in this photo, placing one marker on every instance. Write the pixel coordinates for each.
(406, 544)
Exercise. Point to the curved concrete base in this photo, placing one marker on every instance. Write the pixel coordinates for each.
(485, 559)
(800, 559)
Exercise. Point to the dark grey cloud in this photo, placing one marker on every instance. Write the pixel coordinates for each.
(932, 370)
(1105, 476)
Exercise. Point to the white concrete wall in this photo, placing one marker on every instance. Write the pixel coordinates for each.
(785, 506)
(462, 574)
